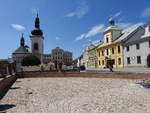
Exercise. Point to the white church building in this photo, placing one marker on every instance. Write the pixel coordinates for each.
(37, 46)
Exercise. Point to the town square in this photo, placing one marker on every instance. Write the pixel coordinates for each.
(75, 56)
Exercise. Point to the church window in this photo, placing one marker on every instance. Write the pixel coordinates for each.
(36, 47)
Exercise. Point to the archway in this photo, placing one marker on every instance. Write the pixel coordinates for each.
(148, 61)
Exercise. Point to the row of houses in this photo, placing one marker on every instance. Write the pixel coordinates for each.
(126, 48)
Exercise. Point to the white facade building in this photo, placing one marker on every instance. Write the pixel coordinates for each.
(137, 49)
(20, 53)
(85, 58)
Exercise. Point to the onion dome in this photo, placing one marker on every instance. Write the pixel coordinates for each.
(22, 49)
(37, 30)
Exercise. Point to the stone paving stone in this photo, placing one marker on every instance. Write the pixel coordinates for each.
(77, 95)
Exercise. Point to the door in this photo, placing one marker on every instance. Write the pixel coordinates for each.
(148, 61)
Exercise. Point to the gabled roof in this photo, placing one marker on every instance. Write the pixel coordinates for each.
(135, 37)
(128, 32)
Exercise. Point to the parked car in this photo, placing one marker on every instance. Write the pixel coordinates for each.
(82, 68)
(75, 68)
(72, 68)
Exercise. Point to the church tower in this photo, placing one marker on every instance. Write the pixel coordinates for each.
(37, 40)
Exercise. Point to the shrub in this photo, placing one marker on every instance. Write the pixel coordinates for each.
(30, 60)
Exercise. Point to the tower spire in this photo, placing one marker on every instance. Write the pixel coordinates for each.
(37, 30)
(37, 15)
(37, 22)
(22, 41)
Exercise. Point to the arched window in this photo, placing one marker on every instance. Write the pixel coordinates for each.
(36, 46)
(119, 61)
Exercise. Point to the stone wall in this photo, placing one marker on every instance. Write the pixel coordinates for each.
(5, 84)
(84, 75)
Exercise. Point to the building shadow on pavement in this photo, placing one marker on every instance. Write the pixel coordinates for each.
(13, 88)
(4, 92)
(5, 107)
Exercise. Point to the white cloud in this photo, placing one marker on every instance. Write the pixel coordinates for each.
(100, 29)
(95, 30)
(146, 13)
(18, 27)
(92, 32)
(124, 25)
(80, 11)
(58, 38)
(127, 25)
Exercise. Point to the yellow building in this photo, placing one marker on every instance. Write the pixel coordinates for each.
(112, 47)
(92, 54)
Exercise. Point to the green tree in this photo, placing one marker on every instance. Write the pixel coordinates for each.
(30, 60)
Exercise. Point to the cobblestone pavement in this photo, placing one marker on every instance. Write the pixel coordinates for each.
(124, 70)
(76, 95)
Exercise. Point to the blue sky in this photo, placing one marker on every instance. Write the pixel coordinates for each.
(69, 24)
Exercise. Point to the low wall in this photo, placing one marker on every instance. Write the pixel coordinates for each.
(5, 84)
(78, 74)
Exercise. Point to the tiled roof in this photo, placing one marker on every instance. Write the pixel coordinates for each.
(127, 32)
(136, 36)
